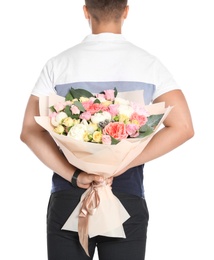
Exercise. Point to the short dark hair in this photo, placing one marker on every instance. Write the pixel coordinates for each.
(105, 10)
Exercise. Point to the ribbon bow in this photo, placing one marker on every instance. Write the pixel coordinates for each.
(89, 207)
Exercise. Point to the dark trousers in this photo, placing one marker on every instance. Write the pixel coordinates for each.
(64, 245)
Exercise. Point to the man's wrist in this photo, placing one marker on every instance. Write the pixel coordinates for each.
(74, 177)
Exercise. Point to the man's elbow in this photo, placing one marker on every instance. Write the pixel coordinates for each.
(27, 134)
(188, 132)
(24, 136)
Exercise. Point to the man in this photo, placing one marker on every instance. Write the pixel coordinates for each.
(104, 60)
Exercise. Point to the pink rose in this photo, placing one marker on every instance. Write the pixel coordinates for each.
(109, 94)
(113, 109)
(96, 107)
(87, 104)
(85, 115)
(68, 103)
(141, 119)
(116, 129)
(106, 139)
(75, 110)
(53, 114)
(100, 96)
(59, 106)
(139, 109)
(132, 130)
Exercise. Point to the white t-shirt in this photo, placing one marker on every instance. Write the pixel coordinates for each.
(101, 59)
(100, 62)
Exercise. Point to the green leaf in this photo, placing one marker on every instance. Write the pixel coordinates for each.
(97, 101)
(52, 109)
(75, 116)
(77, 93)
(79, 105)
(115, 92)
(145, 130)
(68, 111)
(114, 141)
(154, 120)
(148, 128)
(69, 97)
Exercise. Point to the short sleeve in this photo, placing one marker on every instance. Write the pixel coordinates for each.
(164, 80)
(45, 83)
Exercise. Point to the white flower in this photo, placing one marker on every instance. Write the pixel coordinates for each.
(126, 110)
(139, 109)
(100, 117)
(77, 132)
(90, 127)
(57, 120)
(121, 101)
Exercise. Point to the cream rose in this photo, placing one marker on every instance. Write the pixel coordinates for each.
(57, 120)
(121, 101)
(100, 117)
(59, 129)
(68, 121)
(97, 137)
(126, 110)
(77, 132)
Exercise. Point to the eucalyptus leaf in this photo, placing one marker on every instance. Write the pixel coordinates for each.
(154, 120)
(145, 130)
(114, 141)
(69, 97)
(79, 105)
(77, 93)
(74, 116)
(52, 109)
(68, 111)
(97, 101)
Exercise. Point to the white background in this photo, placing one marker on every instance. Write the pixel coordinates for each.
(179, 185)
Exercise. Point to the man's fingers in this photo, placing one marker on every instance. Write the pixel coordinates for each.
(84, 180)
(97, 178)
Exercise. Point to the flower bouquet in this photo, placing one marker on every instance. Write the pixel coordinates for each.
(100, 134)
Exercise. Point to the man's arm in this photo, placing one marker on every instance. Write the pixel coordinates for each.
(178, 128)
(44, 147)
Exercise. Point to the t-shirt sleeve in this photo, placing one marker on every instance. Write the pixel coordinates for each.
(45, 83)
(164, 80)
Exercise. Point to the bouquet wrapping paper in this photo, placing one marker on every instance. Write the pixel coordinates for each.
(99, 212)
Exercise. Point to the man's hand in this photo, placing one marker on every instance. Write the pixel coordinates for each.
(84, 180)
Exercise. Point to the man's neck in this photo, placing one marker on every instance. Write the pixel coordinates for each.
(104, 28)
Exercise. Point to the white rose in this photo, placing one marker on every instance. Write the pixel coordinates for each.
(126, 110)
(121, 101)
(90, 127)
(100, 117)
(57, 120)
(77, 132)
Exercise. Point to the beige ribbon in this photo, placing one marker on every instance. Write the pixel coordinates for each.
(89, 206)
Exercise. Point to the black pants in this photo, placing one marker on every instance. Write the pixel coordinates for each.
(64, 245)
